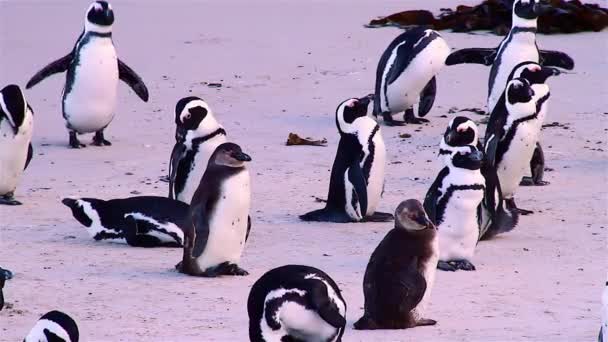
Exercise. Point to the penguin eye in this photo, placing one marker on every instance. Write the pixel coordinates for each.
(187, 116)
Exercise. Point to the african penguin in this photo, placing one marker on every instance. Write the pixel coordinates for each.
(143, 221)
(357, 175)
(452, 202)
(93, 71)
(518, 46)
(220, 218)
(4, 276)
(54, 326)
(461, 131)
(512, 134)
(401, 272)
(16, 126)
(198, 134)
(296, 303)
(406, 75)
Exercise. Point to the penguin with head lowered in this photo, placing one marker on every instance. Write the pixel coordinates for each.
(401, 272)
(513, 132)
(16, 127)
(54, 326)
(197, 136)
(142, 221)
(452, 202)
(406, 75)
(93, 71)
(296, 303)
(357, 175)
(219, 211)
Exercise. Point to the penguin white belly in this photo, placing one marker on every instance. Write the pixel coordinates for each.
(515, 162)
(404, 92)
(520, 49)
(13, 153)
(198, 167)
(228, 224)
(305, 324)
(375, 183)
(429, 276)
(459, 230)
(89, 105)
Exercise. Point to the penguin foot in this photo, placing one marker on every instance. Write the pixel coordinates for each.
(410, 118)
(99, 140)
(74, 142)
(8, 199)
(232, 269)
(523, 211)
(379, 217)
(366, 323)
(425, 322)
(511, 206)
(464, 265)
(389, 121)
(529, 181)
(445, 266)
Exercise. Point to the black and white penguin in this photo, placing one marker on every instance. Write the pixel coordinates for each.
(16, 127)
(4, 276)
(401, 272)
(357, 175)
(198, 134)
(513, 132)
(452, 202)
(93, 71)
(219, 211)
(143, 221)
(54, 326)
(406, 75)
(296, 303)
(518, 46)
(461, 131)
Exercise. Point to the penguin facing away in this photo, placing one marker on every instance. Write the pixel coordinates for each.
(16, 127)
(518, 46)
(220, 218)
(357, 175)
(142, 221)
(406, 75)
(296, 303)
(93, 71)
(54, 326)
(197, 136)
(452, 202)
(401, 272)
(513, 132)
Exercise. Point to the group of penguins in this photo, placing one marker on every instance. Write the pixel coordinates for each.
(207, 210)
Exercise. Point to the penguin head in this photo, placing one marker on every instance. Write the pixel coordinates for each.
(529, 9)
(54, 326)
(14, 107)
(466, 157)
(410, 215)
(461, 131)
(229, 155)
(533, 72)
(350, 110)
(100, 17)
(193, 119)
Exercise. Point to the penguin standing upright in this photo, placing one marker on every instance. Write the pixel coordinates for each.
(16, 127)
(406, 75)
(401, 272)
(198, 134)
(4, 276)
(512, 134)
(452, 202)
(357, 175)
(93, 71)
(54, 326)
(296, 303)
(219, 212)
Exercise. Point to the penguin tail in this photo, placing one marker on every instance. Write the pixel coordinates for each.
(506, 220)
(326, 215)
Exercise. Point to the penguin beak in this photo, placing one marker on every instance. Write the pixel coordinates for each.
(449, 139)
(540, 9)
(423, 221)
(241, 156)
(365, 100)
(476, 156)
(180, 134)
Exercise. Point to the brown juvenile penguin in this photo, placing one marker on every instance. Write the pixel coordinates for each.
(401, 271)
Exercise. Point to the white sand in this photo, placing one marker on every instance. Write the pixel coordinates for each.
(295, 62)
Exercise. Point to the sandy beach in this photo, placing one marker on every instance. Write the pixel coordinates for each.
(284, 67)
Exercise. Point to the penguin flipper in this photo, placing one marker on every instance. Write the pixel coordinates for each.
(556, 58)
(472, 56)
(326, 215)
(427, 97)
(176, 156)
(60, 65)
(248, 227)
(325, 307)
(432, 195)
(201, 228)
(129, 76)
(357, 179)
(30, 154)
